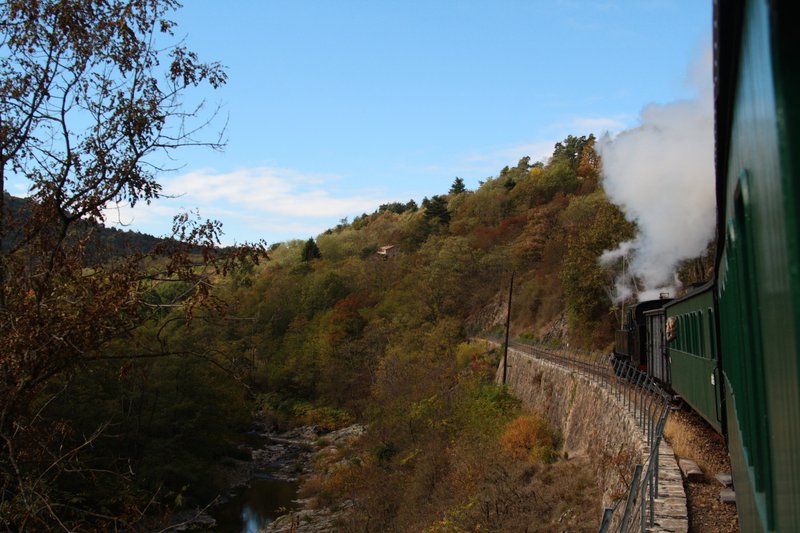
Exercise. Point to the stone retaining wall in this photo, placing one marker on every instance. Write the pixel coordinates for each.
(594, 423)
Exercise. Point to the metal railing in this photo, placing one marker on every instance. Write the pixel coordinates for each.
(645, 399)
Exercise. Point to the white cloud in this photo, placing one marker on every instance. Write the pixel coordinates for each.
(142, 216)
(252, 203)
(270, 190)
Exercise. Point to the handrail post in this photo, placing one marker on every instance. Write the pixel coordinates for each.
(623, 393)
(635, 391)
(645, 397)
(653, 493)
(650, 420)
(628, 388)
(637, 474)
(643, 494)
(660, 432)
(631, 370)
(642, 398)
(605, 523)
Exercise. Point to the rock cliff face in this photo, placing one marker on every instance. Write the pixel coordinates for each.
(593, 422)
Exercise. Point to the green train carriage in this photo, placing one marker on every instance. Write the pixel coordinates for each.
(757, 101)
(693, 355)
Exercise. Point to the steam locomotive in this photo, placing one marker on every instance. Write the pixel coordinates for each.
(731, 348)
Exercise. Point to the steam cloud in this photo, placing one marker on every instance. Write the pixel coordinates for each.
(661, 174)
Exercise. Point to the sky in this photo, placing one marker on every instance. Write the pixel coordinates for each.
(335, 107)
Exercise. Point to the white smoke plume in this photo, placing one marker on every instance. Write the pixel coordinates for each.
(661, 174)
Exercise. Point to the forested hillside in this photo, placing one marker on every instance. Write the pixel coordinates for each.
(371, 320)
(132, 368)
(104, 239)
(368, 322)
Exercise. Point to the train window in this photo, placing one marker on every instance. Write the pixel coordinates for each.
(687, 339)
(703, 351)
(698, 334)
(687, 327)
(712, 334)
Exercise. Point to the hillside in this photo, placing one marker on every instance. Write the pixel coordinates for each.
(108, 240)
(547, 222)
(369, 322)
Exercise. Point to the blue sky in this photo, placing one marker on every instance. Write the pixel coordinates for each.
(335, 107)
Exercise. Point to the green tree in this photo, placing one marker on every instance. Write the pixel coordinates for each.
(458, 186)
(524, 164)
(310, 251)
(571, 149)
(594, 225)
(436, 210)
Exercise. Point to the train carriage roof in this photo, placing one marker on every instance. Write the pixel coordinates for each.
(693, 292)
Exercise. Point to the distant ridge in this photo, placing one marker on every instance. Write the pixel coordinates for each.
(112, 241)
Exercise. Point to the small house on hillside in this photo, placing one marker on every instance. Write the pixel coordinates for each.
(387, 251)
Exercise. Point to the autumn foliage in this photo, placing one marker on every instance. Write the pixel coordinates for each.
(87, 116)
(529, 437)
(125, 378)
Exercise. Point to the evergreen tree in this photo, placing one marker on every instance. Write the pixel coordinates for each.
(436, 210)
(458, 186)
(571, 148)
(310, 251)
(524, 164)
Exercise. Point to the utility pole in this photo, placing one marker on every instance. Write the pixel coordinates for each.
(508, 325)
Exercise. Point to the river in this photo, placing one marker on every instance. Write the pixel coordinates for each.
(255, 506)
(271, 483)
(278, 462)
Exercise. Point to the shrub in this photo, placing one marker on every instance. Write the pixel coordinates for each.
(529, 437)
(287, 413)
(466, 353)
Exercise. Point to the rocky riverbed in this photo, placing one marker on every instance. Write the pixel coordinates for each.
(281, 459)
(309, 518)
